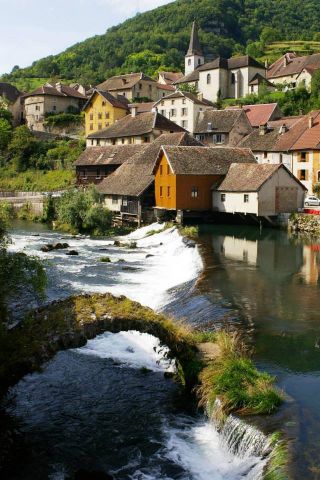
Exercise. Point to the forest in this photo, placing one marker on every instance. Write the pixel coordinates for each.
(158, 39)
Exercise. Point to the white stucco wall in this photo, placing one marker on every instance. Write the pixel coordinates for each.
(234, 202)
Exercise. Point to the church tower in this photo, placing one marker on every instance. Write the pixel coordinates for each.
(194, 56)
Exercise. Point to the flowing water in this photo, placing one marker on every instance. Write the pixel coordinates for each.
(108, 406)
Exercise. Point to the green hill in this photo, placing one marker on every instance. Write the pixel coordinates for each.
(159, 38)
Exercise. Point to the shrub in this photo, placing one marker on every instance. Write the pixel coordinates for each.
(105, 260)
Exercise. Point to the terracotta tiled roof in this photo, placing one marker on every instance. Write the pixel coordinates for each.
(123, 82)
(108, 155)
(162, 86)
(205, 160)
(62, 91)
(250, 177)
(261, 143)
(290, 64)
(141, 124)
(310, 137)
(134, 176)
(8, 91)
(222, 121)
(117, 102)
(260, 114)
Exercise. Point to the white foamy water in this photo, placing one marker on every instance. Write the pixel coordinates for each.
(131, 348)
(145, 274)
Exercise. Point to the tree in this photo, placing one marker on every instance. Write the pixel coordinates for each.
(21, 147)
(269, 35)
(5, 133)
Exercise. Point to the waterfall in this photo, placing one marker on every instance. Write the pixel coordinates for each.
(242, 439)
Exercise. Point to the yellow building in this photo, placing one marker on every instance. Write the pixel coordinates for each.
(102, 110)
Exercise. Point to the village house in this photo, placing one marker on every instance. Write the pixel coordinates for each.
(292, 141)
(184, 176)
(134, 86)
(262, 190)
(134, 128)
(96, 163)
(51, 99)
(183, 108)
(129, 191)
(222, 127)
(262, 113)
(291, 70)
(220, 78)
(102, 110)
(11, 99)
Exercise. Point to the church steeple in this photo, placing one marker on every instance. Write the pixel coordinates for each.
(194, 45)
(194, 57)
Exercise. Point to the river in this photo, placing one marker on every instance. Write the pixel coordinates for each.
(96, 408)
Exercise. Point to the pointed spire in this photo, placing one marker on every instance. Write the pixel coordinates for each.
(194, 45)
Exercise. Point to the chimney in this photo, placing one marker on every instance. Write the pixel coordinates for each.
(263, 129)
(134, 110)
(283, 129)
(209, 128)
(310, 121)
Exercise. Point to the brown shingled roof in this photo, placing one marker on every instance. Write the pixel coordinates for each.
(134, 176)
(205, 160)
(139, 125)
(47, 89)
(291, 64)
(222, 121)
(108, 155)
(120, 82)
(171, 77)
(117, 102)
(250, 177)
(191, 77)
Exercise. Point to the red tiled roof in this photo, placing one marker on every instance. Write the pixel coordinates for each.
(259, 114)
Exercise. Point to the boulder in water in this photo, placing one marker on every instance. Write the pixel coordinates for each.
(149, 255)
(72, 253)
(189, 243)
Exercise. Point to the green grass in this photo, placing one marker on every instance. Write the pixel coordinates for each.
(234, 379)
(189, 231)
(275, 50)
(36, 180)
(105, 260)
(277, 464)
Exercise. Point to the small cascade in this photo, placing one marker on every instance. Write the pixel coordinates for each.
(242, 439)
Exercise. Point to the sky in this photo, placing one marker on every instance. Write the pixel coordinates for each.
(32, 29)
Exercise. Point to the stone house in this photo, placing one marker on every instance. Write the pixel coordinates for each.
(220, 78)
(222, 127)
(134, 86)
(50, 99)
(183, 108)
(291, 70)
(102, 110)
(134, 129)
(262, 190)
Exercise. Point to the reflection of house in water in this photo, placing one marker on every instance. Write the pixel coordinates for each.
(273, 258)
(311, 264)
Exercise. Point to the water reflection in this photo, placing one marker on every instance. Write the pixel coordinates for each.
(267, 283)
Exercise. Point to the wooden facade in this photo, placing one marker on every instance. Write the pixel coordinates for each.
(182, 192)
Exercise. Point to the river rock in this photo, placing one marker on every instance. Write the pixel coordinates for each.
(189, 243)
(149, 255)
(129, 269)
(49, 247)
(72, 253)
